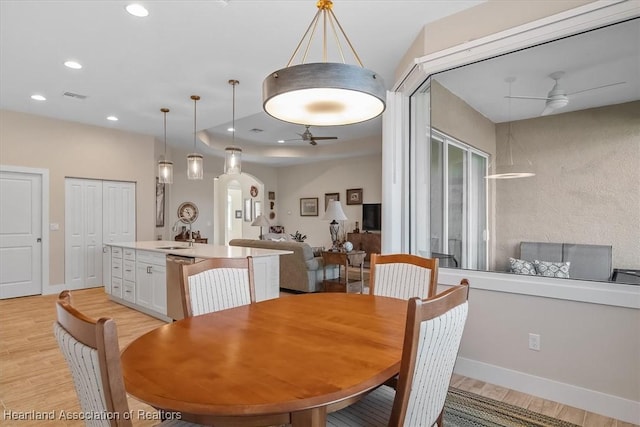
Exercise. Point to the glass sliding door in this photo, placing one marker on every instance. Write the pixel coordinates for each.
(456, 205)
(477, 248)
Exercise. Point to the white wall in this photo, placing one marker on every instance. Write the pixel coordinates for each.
(316, 179)
(587, 186)
(201, 192)
(69, 149)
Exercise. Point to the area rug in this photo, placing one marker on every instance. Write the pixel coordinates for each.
(465, 409)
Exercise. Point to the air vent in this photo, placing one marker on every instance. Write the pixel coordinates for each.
(256, 130)
(75, 95)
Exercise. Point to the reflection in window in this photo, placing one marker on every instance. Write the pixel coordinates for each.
(457, 204)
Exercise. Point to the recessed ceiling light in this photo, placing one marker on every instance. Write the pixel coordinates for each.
(138, 10)
(230, 129)
(112, 118)
(281, 141)
(38, 97)
(73, 64)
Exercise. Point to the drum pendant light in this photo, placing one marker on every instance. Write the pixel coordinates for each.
(195, 163)
(165, 167)
(324, 93)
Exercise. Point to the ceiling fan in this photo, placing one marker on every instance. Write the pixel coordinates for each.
(308, 136)
(558, 98)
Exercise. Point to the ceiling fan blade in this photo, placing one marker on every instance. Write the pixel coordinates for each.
(597, 87)
(528, 97)
(320, 138)
(547, 111)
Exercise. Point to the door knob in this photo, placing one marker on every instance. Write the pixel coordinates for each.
(39, 239)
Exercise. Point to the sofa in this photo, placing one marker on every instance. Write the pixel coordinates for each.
(589, 262)
(299, 271)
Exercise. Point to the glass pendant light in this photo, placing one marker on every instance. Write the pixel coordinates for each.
(509, 169)
(195, 162)
(165, 167)
(233, 154)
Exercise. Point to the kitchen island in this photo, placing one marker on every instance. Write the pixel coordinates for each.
(144, 275)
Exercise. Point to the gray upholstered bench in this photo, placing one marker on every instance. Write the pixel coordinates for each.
(589, 262)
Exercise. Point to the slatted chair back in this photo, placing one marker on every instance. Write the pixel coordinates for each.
(403, 276)
(432, 339)
(216, 284)
(91, 350)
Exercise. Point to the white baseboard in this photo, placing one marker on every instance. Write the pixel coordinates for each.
(567, 394)
(56, 289)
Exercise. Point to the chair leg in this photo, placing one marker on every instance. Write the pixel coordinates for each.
(440, 418)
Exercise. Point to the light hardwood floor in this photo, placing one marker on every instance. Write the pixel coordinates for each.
(34, 376)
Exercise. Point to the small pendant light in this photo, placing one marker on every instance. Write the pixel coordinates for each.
(165, 167)
(195, 163)
(233, 154)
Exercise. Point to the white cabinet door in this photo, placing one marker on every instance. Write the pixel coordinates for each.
(144, 285)
(266, 273)
(151, 281)
(159, 286)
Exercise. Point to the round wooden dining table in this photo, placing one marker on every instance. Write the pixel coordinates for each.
(289, 360)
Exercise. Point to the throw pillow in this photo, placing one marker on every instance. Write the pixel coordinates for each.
(521, 266)
(552, 269)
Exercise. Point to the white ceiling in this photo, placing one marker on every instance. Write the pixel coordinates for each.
(595, 58)
(135, 66)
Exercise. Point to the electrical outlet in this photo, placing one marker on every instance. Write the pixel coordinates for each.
(534, 342)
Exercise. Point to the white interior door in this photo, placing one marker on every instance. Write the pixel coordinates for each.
(83, 233)
(20, 234)
(119, 220)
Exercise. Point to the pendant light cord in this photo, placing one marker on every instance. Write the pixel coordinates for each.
(195, 98)
(233, 83)
(165, 111)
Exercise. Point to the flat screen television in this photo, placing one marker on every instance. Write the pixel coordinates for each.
(371, 216)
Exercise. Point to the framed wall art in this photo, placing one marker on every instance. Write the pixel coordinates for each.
(309, 206)
(354, 196)
(329, 197)
(159, 203)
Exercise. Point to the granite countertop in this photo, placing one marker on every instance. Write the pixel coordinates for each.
(199, 250)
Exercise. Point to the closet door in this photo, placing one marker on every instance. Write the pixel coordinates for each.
(119, 218)
(83, 233)
(119, 201)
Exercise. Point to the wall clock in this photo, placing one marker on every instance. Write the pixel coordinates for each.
(188, 212)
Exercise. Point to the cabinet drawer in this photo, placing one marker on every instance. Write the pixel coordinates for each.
(129, 291)
(116, 267)
(129, 272)
(157, 258)
(116, 287)
(116, 252)
(129, 254)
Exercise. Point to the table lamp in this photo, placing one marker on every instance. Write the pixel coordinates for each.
(261, 221)
(334, 213)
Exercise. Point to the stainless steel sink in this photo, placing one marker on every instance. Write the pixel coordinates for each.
(173, 247)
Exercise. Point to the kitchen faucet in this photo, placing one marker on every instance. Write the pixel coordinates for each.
(174, 228)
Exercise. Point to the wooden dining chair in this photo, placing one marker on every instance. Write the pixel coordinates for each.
(403, 276)
(216, 284)
(432, 338)
(90, 348)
